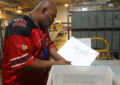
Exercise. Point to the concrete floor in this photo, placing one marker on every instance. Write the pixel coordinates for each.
(60, 40)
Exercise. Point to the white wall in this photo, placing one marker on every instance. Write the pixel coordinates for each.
(61, 13)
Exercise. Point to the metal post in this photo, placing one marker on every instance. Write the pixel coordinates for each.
(68, 22)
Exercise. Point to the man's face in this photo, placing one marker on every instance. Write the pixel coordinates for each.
(48, 17)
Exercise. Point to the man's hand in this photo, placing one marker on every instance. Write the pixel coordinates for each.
(62, 62)
(68, 62)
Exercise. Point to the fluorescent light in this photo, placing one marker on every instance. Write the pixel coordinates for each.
(66, 5)
(84, 9)
(19, 11)
(110, 4)
(58, 21)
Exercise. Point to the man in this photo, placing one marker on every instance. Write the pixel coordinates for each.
(27, 48)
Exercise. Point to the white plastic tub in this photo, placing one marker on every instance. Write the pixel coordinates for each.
(77, 75)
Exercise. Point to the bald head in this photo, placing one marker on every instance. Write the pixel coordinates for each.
(45, 3)
(44, 13)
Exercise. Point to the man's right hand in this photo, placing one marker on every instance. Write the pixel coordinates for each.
(61, 62)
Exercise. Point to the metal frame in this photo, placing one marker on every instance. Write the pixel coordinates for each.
(106, 50)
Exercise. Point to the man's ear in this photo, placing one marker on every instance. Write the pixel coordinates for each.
(44, 9)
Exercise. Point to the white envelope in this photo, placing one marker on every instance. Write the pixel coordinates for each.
(86, 41)
(78, 53)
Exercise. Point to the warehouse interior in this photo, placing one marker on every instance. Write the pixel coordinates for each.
(98, 20)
